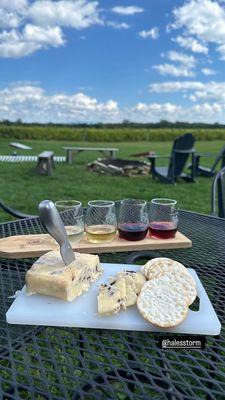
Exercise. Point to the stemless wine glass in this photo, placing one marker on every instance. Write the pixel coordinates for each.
(71, 212)
(163, 218)
(133, 219)
(100, 221)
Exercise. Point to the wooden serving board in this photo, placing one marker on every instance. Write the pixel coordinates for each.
(28, 246)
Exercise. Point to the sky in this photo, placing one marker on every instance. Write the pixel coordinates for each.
(90, 61)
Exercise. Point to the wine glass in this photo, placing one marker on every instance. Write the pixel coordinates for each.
(71, 212)
(133, 219)
(100, 221)
(163, 218)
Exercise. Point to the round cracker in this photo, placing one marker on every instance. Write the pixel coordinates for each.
(187, 281)
(176, 271)
(162, 302)
(160, 265)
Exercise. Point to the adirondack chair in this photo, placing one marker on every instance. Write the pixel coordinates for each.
(181, 150)
(204, 171)
(218, 194)
(15, 213)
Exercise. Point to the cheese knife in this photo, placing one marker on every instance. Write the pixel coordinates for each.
(53, 223)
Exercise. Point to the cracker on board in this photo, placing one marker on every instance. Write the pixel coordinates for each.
(162, 302)
(160, 265)
(188, 283)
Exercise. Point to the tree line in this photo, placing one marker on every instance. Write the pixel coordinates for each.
(125, 124)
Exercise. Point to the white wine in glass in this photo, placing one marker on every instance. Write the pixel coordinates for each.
(100, 233)
(100, 221)
(74, 233)
(71, 212)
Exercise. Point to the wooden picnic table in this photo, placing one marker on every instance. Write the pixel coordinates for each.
(109, 152)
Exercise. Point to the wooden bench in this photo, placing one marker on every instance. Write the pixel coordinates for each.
(72, 151)
(19, 146)
(45, 163)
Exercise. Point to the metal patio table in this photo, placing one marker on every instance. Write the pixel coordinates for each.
(73, 363)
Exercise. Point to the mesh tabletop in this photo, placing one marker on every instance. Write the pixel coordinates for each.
(71, 363)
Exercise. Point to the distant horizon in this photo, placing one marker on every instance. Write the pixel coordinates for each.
(74, 61)
(159, 124)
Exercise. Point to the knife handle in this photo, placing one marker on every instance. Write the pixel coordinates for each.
(52, 221)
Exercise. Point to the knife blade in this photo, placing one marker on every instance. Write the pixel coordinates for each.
(53, 223)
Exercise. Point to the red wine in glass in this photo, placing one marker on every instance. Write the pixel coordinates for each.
(162, 229)
(132, 231)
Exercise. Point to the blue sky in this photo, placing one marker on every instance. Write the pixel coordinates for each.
(110, 60)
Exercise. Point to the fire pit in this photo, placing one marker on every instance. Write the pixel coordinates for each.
(120, 167)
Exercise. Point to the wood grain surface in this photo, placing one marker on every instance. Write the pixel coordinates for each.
(28, 246)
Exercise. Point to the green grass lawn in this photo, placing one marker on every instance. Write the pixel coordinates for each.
(23, 189)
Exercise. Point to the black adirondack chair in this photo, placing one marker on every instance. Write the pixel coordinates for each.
(181, 150)
(218, 194)
(204, 171)
(15, 213)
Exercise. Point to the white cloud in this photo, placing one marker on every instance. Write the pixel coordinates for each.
(12, 44)
(192, 44)
(221, 49)
(46, 36)
(129, 10)
(208, 71)
(209, 91)
(32, 38)
(170, 69)
(212, 91)
(32, 103)
(181, 58)
(176, 86)
(76, 14)
(152, 33)
(11, 12)
(13, 4)
(8, 19)
(184, 68)
(28, 26)
(208, 111)
(118, 25)
(168, 108)
(156, 111)
(204, 19)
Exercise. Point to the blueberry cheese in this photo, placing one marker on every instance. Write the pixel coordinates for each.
(111, 297)
(121, 292)
(49, 276)
(134, 282)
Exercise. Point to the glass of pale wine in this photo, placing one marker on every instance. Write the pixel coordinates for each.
(163, 218)
(71, 212)
(133, 219)
(100, 221)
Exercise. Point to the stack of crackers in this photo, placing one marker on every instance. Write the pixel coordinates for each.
(165, 298)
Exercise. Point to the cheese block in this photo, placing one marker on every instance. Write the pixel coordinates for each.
(120, 293)
(111, 297)
(134, 282)
(49, 275)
